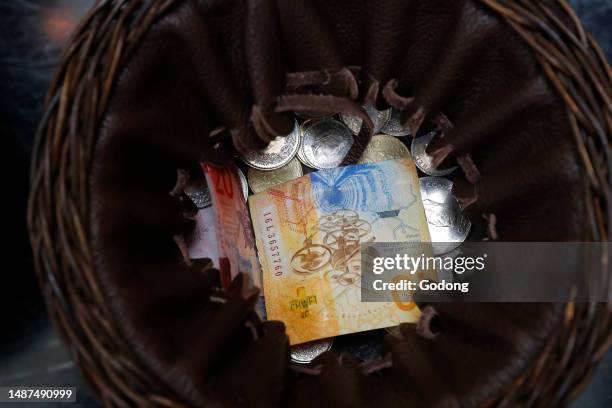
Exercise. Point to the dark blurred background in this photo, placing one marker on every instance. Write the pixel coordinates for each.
(32, 35)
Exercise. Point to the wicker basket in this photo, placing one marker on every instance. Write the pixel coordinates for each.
(58, 208)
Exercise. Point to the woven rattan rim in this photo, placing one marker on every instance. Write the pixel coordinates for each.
(59, 209)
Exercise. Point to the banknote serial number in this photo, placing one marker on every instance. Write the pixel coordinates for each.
(42, 394)
(273, 247)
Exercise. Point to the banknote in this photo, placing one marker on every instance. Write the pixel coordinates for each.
(309, 233)
(235, 241)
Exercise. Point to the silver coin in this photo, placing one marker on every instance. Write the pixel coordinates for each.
(301, 157)
(424, 161)
(198, 193)
(300, 153)
(306, 352)
(325, 143)
(448, 227)
(379, 119)
(243, 183)
(279, 152)
(394, 126)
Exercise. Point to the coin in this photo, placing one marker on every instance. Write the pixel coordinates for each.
(278, 153)
(306, 352)
(379, 119)
(198, 193)
(394, 126)
(300, 153)
(423, 160)
(260, 180)
(448, 227)
(325, 143)
(301, 158)
(384, 147)
(243, 184)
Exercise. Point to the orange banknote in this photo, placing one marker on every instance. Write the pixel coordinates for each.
(309, 233)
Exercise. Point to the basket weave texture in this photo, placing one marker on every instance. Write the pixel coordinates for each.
(59, 208)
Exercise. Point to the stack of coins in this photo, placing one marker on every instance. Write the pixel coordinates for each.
(322, 141)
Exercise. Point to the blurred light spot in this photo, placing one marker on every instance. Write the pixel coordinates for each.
(58, 24)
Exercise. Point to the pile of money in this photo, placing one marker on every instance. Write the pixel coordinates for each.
(322, 142)
(308, 233)
(297, 188)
